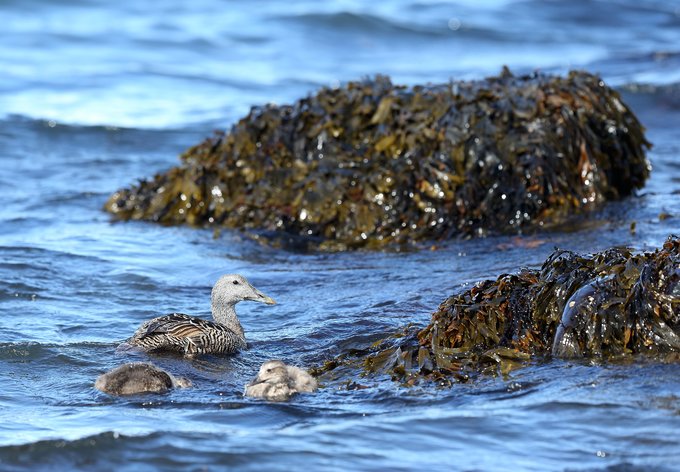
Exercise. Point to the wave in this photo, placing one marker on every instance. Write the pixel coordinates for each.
(34, 351)
(348, 23)
(666, 95)
(64, 454)
(109, 450)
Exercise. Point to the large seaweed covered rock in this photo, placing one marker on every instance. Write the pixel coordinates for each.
(610, 304)
(371, 163)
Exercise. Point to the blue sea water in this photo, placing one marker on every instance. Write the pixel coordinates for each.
(96, 94)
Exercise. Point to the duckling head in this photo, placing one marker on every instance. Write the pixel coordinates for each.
(272, 372)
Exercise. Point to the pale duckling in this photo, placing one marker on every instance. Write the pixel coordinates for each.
(190, 335)
(138, 377)
(277, 382)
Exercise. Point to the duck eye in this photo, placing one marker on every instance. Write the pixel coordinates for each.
(235, 282)
(269, 370)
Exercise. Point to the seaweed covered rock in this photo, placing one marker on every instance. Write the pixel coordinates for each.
(613, 302)
(371, 163)
(610, 304)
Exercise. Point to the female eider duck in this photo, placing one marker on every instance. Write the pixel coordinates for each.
(192, 336)
(138, 377)
(277, 382)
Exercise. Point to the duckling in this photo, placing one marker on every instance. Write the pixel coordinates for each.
(277, 382)
(192, 336)
(138, 377)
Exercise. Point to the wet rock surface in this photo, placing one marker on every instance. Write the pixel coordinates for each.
(372, 164)
(613, 304)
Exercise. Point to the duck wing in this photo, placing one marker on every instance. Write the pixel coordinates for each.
(189, 334)
(179, 325)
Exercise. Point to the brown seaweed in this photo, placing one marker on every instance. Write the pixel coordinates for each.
(611, 304)
(372, 164)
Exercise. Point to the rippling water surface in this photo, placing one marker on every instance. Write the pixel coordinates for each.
(95, 94)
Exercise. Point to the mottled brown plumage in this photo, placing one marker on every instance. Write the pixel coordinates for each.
(190, 335)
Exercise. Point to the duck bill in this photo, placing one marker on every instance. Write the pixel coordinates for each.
(254, 382)
(262, 298)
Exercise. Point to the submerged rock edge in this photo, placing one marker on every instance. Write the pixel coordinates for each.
(614, 304)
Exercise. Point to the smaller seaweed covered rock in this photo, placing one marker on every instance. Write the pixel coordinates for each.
(612, 303)
(371, 163)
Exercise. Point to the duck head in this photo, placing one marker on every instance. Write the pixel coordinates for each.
(233, 288)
